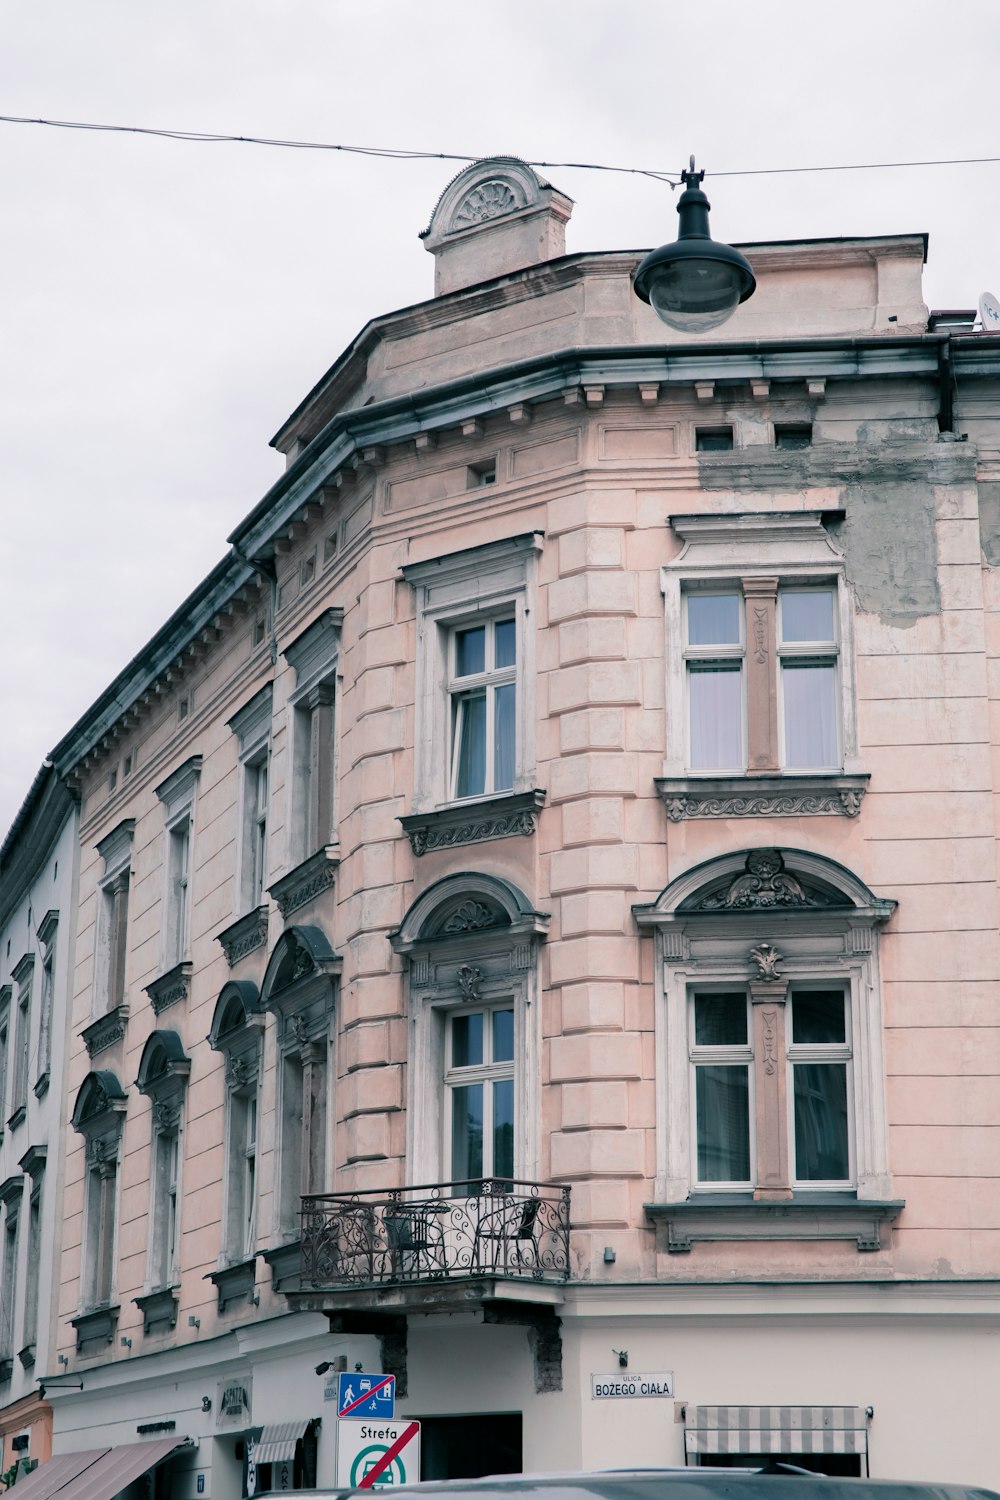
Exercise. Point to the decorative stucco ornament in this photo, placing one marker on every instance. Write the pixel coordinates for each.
(490, 200)
(765, 884)
(767, 959)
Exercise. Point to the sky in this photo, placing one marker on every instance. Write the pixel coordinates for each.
(164, 305)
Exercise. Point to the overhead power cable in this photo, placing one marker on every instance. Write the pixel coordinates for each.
(394, 153)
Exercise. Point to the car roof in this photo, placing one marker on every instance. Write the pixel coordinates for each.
(701, 1483)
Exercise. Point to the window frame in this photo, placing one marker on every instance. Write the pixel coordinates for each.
(833, 943)
(722, 554)
(486, 1073)
(99, 1116)
(462, 689)
(110, 986)
(313, 714)
(23, 976)
(494, 582)
(252, 728)
(179, 797)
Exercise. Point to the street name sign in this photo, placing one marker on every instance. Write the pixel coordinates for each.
(630, 1387)
(364, 1395)
(374, 1454)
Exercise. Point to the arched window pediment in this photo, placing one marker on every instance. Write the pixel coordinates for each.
(237, 1005)
(164, 1064)
(301, 955)
(99, 1101)
(469, 905)
(767, 881)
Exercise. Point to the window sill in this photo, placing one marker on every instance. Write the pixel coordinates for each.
(159, 1310)
(806, 1216)
(307, 881)
(105, 1031)
(781, 796)
(42, 1085)
(95, 1329)
(6, 1368)
(170, 987)
(27, 1357)
(236, 1283)
(18, 1117)
(474, 821)
(285, 1262)
(244, 935)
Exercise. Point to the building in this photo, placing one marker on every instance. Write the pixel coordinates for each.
(37, 906)
(537, 929)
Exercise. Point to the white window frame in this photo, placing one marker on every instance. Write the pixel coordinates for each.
(178, 795)
(485, 1074)
(47, 933)
(821, 948)
(720, 1056)
(824, 1053)
(493, 582)
(819, 653)
(252, 727)
(313, 713)
(110, 986)
(462, 689)
(239, 1199)
(23, 976)
(9, 1260)
(720, 551)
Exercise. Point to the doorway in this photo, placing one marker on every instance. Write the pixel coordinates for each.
(470, 1447)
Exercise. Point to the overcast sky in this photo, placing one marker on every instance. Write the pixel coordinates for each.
(163, 306)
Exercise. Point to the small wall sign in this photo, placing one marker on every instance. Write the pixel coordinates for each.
(623, 1387)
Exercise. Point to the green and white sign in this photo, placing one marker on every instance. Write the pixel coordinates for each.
(375, 1455)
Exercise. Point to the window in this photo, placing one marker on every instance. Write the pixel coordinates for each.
(731, 704)
(33, 1163)
(479, 1090)
(818, 1055)
(5, 994)
(8, 1273)
(98, 1115)
(793, 435)
(769, 1050)
(760, 650)
(475, 674)
(23, 976)
(713, 439)
(177, 794)
(236, 1032)
(47, 929)
(483, 691)
(252, 727)
(483, 473)
(314, 657)
(471, 947)
(162, 1078)
(112, 918)
(300, 987)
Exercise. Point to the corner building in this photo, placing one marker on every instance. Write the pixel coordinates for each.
(537, 930)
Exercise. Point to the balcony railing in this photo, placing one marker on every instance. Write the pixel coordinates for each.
(444, 1231)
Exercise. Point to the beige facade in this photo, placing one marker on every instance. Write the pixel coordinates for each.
(579, 774)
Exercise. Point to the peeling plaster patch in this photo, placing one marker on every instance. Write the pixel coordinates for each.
(989, 521)
(890, 544)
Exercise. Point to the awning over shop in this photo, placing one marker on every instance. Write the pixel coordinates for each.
(119, 1467)
(775, 1429)
(57, 1474)
(276, 1444)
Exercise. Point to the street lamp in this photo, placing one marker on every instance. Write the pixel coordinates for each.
(695, 283)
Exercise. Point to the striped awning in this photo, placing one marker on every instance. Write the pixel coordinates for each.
(776, 1429)
(276, 1444)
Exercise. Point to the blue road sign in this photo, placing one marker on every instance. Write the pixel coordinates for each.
(364, 1395)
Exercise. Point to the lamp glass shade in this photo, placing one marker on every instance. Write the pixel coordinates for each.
(695, 295)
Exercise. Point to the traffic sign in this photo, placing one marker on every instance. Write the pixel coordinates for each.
(362, 1395)
(374, 1455)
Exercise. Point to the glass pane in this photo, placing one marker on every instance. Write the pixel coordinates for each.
(503, 1036)
(807, 616)
(467, 1132)
(720, 1020)
(723, 1122)
(818, 1017)
(821, 1149)
(470, 651)
(504, 709)
(713, 619)
(503, 1128)
(467, 1040)
(716, 731)
(810, 697)
(470, 777)
(504, 645)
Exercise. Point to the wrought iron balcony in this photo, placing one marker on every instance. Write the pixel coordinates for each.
(485, 1227)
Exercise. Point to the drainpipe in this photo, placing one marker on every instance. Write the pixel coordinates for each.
(946, 387)
(265, 566)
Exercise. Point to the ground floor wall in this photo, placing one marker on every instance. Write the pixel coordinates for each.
(25, 1432)
(917, 1362)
